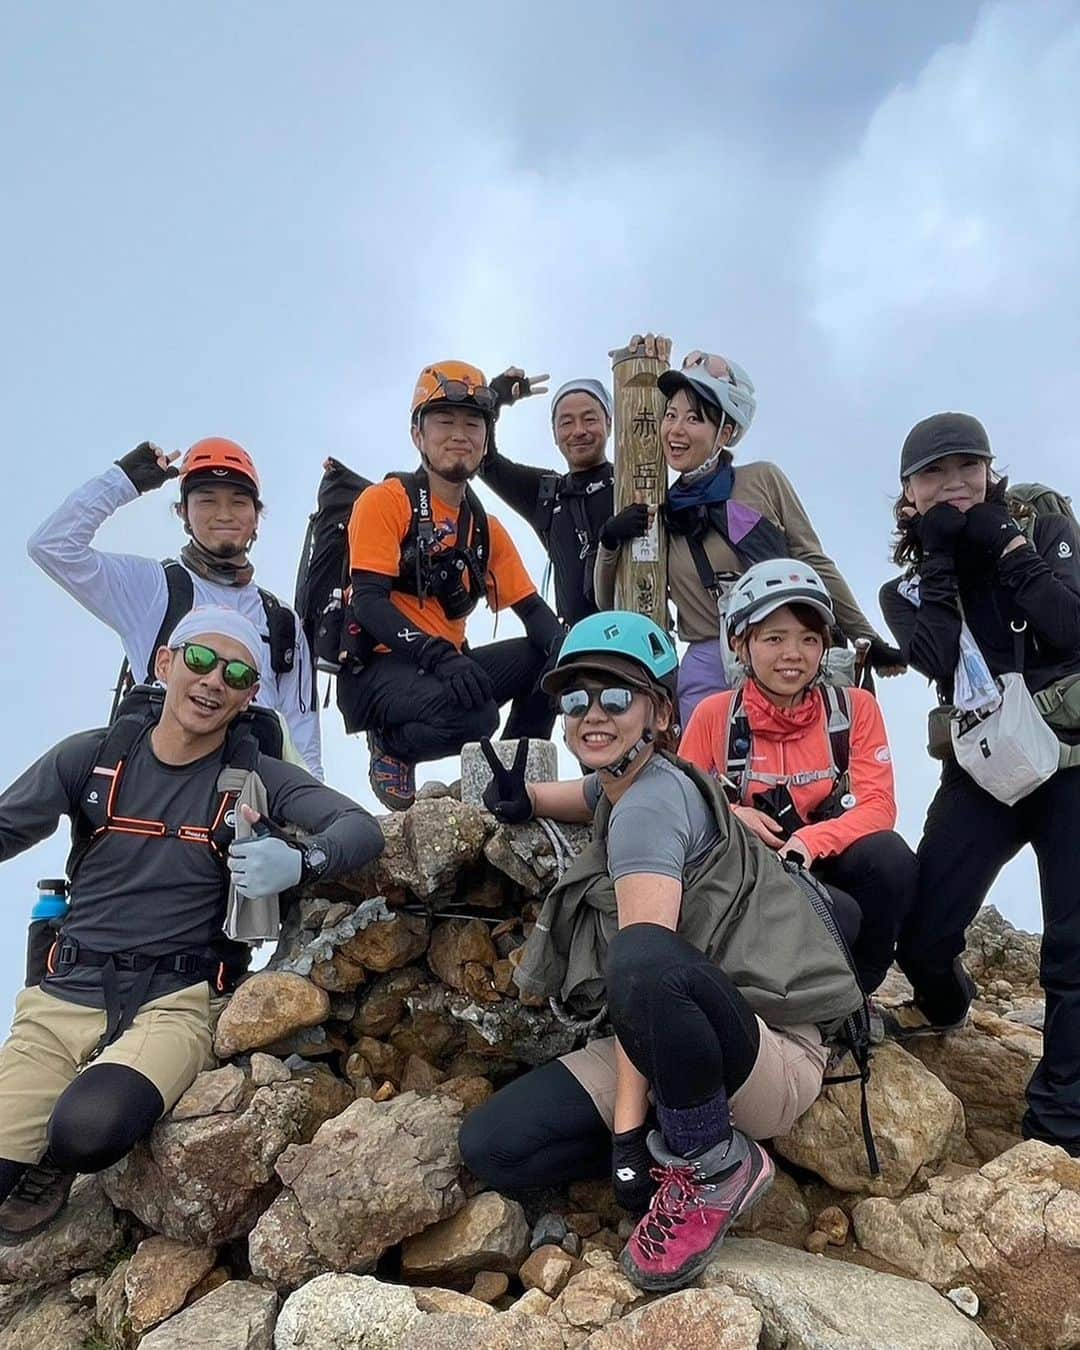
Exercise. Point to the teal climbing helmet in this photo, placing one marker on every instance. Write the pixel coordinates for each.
(617, 642)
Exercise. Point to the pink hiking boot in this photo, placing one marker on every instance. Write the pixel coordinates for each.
(696, 1203)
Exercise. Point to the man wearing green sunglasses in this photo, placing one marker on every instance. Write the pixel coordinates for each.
(120, 1025)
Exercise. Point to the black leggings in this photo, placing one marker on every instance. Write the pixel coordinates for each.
(683, 1025)
(880, 873)
(417, 721)
(96, 1121)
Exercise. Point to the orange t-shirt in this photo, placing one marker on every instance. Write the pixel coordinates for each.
(380, 520)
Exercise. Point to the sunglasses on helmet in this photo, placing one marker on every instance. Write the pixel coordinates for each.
(460, 391)
(576, 703)
(715, 366)
(202, 660)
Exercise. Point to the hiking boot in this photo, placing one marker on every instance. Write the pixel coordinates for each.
(392, 780)
(34, 1201)
(696, 1202)
(907, 1021)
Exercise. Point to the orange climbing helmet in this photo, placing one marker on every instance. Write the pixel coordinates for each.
(218, 460)
(452, 382)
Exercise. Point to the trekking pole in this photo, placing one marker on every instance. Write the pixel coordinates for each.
(640, 472)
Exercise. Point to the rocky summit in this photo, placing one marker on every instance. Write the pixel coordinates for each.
(309, 1192)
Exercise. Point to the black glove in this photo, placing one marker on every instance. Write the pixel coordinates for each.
(142, 467)
(631, 1168)
(882, 656)
(990, 528)
(506, 796)
(508, 389)
(631, 523)
(940, 528)
(469, 684)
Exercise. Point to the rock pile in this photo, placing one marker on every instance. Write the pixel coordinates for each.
(309, 1191)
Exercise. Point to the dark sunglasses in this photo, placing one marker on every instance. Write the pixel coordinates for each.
(577, 702)
(458, 391)
(202, 660)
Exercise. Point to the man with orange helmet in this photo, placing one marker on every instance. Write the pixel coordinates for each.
(422, 554)
(142, 599)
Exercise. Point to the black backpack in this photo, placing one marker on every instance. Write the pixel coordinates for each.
(323, 573)
(280, 625)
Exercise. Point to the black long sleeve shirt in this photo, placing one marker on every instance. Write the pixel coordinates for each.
(1038, 586)
(567, 511)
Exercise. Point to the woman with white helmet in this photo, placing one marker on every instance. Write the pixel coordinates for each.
(807, 767)
(720, 969)
(721, 520)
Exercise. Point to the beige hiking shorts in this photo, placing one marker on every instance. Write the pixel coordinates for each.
(169, 1042)
(784, 1082)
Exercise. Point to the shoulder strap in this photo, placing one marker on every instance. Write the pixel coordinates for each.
(547, 494)
(739, 741)
(181, 598)
(281, 625)
(838, 721)
(100, 787)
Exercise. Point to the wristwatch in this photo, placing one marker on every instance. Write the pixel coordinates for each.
(314, 862)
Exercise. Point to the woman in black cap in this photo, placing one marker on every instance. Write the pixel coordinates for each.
(982, 596)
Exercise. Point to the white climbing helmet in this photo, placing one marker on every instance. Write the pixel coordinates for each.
(768, 586)
(720, 382)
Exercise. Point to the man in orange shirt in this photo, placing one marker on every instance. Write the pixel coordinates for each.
(422, 554)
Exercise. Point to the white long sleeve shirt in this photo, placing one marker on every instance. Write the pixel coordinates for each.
(131, 595)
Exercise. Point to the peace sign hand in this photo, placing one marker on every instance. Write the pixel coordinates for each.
(507, 796)
(513, 384)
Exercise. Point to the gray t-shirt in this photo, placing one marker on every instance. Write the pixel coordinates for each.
(661, 825)
(153, 895)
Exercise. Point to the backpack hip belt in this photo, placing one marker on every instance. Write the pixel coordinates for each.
(120, 1012)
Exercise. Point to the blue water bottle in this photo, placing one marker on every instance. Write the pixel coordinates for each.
(48, 914)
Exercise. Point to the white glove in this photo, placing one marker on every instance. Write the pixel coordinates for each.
(264, 866)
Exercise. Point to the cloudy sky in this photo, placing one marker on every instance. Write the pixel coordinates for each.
(260, 220)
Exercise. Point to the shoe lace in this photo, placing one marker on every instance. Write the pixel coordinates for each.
(37, 1182)
(677, 1195)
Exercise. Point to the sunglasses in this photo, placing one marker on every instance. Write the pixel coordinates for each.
(202, 660)
(715, 366)
(576, 703)
(458, 391)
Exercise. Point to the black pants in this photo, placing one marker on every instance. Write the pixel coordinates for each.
(880, 873)
(684, 1026)
(96, 1121)
(967, 839)
(417, 720)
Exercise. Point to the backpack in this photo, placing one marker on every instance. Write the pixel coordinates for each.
(323, 574)
(1039, 500)
(280, 624)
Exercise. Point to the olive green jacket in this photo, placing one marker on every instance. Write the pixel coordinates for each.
(741, 906)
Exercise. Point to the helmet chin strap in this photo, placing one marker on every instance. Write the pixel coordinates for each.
(623, 763)
(703, 470)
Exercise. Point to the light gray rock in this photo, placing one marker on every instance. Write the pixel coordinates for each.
(808, 1303)
(43, 1319)
(206, 1181)
(376, 1174)
(212, 1092)
(346, 1312)
(235, 1316)
(541, 766)
(80, 1239)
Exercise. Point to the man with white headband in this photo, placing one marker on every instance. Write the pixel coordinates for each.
(570, 510)
(120, 1025)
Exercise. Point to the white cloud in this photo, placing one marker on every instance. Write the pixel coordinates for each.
(963, 197)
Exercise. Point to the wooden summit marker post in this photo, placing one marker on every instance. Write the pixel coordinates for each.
(640, 472)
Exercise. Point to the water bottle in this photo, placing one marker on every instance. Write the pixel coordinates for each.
(46, 917)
